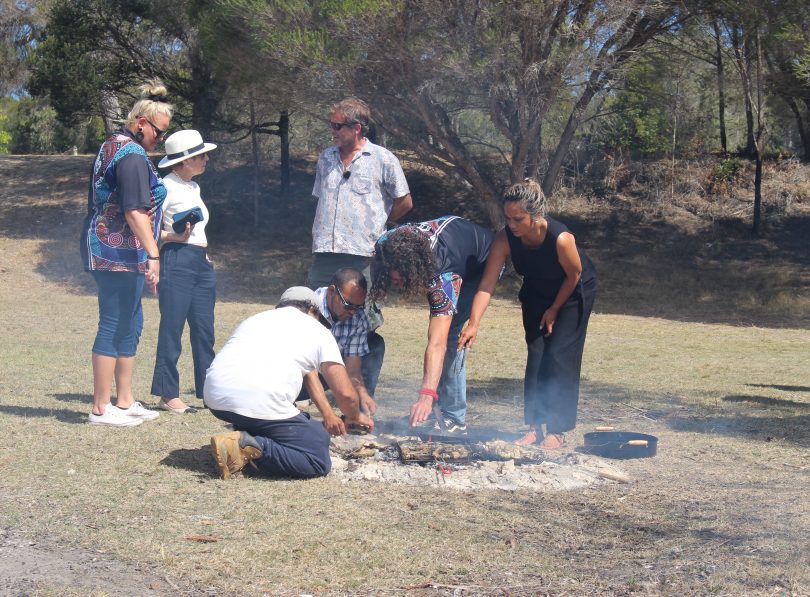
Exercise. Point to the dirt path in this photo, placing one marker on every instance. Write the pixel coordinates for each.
(36, 567)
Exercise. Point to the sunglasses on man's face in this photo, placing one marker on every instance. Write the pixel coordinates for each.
(336, 126)
(346, 304)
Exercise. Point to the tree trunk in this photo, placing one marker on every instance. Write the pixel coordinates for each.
(205, 100)
(757, 194)
(254, 144)
(721, 88)
(284, 136)
(743, 66)
(749, 127)
(759, 142)
(556, 160)
(110, 112)
(804, 133)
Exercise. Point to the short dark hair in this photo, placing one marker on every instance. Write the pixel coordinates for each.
(345, 275)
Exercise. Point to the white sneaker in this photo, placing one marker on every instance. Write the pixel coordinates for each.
(450, 426)
(114, 416)
(137, 410)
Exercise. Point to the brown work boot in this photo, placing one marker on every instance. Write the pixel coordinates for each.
(233, 451)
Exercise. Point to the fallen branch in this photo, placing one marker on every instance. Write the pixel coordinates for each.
(614, 476)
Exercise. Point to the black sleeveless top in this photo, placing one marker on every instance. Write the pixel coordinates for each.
(543, 275)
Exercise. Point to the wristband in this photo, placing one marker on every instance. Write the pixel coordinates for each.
(428, 392)
(155, 258)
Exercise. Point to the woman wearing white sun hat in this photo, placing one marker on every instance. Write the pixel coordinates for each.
(187, 289)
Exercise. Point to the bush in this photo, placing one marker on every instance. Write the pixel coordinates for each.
(723, 176)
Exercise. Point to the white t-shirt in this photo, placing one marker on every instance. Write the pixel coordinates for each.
(260, 370)
(182, 196)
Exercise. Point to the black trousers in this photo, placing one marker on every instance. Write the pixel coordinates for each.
(553, 365)
(186, 292)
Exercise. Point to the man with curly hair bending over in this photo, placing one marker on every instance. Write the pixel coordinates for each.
(444, 259)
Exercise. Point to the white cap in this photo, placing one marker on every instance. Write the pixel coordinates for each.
(304, 295)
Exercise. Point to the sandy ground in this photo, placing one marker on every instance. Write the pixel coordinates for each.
(28, 567)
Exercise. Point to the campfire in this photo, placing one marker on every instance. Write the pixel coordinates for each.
(408, 457)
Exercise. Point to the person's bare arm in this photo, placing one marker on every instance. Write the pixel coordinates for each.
(140, 222)
(317, 394)
(498, 254)
(172, 237)
(402, 205)
(438, 331)
(354, 368)
(568, 257)
(344, 393)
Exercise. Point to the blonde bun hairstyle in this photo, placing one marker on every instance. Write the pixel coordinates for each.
(153, 101)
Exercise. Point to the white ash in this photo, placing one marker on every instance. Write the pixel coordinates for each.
(571, 471)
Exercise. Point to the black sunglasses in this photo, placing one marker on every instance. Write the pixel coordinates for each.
(336, 126)
(346, 304)
(159, 133)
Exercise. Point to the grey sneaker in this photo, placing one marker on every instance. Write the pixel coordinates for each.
(136, 409)
(114, 417)
(451, 427)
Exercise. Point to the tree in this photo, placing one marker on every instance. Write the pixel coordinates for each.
(426, 65)
(21, 24)
(786, 41)
(96, 51)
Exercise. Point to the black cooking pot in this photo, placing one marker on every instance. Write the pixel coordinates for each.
(620, 444)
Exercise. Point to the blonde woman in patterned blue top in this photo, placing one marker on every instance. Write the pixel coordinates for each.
(119, 248)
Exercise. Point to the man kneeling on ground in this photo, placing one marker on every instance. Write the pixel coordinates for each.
(255, 379)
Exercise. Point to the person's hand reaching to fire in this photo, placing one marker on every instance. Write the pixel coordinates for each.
(333, 424)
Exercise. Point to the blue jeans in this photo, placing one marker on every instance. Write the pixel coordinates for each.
(120, 314)
(187, 292)
(296, 447)
(453, 383)
(372, 362)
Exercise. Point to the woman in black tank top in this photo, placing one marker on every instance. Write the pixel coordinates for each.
(559, 286)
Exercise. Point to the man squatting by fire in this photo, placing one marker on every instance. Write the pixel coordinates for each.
(255, 380)
(342, 304)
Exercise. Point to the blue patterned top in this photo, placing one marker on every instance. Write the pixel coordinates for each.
(110, 244)
(461, 248)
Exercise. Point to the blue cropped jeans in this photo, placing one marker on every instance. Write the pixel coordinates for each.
(120, 314)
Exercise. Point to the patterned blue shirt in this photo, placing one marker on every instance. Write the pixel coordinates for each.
(351, 335)
(353, 208)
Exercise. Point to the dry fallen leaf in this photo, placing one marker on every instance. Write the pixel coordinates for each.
(203, 538)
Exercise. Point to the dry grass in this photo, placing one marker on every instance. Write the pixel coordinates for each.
(721, 510)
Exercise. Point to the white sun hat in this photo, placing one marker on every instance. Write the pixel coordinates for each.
(183, 145)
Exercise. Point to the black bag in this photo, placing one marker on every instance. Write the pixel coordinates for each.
(190, 216)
